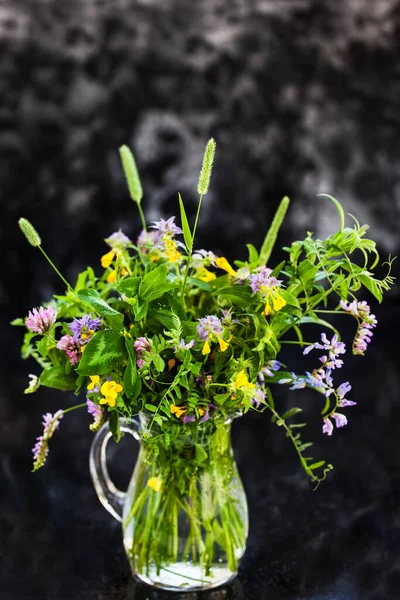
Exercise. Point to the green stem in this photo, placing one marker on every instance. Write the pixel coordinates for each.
(189, 261)
(67, 410)
(55, 269)
(142, 216)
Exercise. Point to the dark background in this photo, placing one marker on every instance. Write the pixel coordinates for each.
(302, 97)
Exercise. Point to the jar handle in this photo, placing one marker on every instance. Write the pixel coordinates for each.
(110, 497)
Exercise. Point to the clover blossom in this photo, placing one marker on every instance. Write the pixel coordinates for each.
(118, 241)
(71, 348)
(141, 346)
(97, 413)
(40, 321)
(41, 448)
(83, 329)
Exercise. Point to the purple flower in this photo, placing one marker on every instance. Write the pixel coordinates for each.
(167, 227)
(98, 414)
(187, 346)
(258, 396)
(341, 420)
(327, 426)
(203, 258)
(141, 346)
(41, 448)
(146, 241)
(341, 392)
(206, 415)
(188, 419)
(272, 365)
(208, 326)
(261, 281)
(118, 241)
(334, 346)
(362, 339)
(84, 328)
(41, 320)
(71, 348)
(297, 382)
(227, 318)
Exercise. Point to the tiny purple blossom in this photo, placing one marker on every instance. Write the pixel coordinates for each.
(334, 346)
(167, 227)
(343, 389)
(208, 326)
(188, 419)
(118, 241)
(272, 365)
(258, 396)
(97, 413)
(206, 415)
(141, 346)
(341, 420)
(261, 281)
(71, 348)
(41, 448)
(146, 241)
(187, 346)
(327, 426)
(41, 320)
(227, 318)
(84, 328)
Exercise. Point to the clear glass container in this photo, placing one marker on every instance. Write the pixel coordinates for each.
(184, 516)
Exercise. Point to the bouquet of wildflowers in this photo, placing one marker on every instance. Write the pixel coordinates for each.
(191, 340)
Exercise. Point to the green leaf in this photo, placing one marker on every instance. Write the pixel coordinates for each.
(132, 381)
(42, 346)
(203, 285)
(273, 231)
(93, 298)
(129, 286)
(339, 208)
(221, 398)
(185, 226)
(151, 408)
(201, 454)
(140, 309)
(316, 465)
(253, 254)
(371, 286)
(158, 363)
(83, 278)
(55, 377)
(237, 294)
(291, 412)
(307, 271)
(154, 284)
(102, 353)
(18, 322)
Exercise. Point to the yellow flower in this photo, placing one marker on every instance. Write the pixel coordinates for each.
(178, 411)
(267, 310)
(110, 389)
(277, 301)
(94, 379)
(222, 344)
(242, 381)
(107, 259)
(155, 483)
(111, 277)
(205, 275)
(172, 252)
(83, 348)
(206, 348)
(223, 264)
